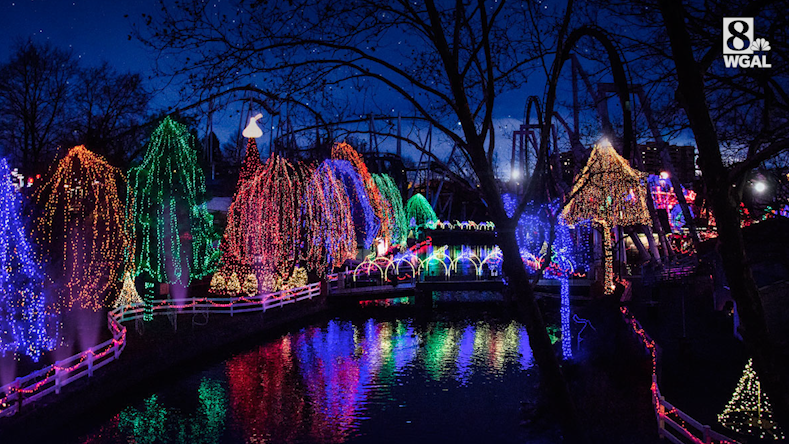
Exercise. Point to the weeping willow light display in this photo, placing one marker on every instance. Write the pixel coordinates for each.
(339, 231)
(609, 192)
(419, 209)
(27, 326)
(81, 230)
(397, 222)
(171, 228)
(365, 221)
(380, 206)
(263, 226)
(749, 411)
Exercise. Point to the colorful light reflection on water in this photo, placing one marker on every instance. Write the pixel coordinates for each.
(346, 381)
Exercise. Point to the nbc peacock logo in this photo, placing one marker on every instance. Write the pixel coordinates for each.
(740, 49)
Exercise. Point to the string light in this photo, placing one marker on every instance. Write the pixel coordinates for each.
(611, 193)
(82, 227)
(381, 207)
(233, 285)
(218, 284)
(250, 164)
(26, 323)
(749, 411)
(128, 295)
(532, 235)
(419, 210)
(367, 224)
(250, 286)
(338, 226)
(171, 227)
(397, 222)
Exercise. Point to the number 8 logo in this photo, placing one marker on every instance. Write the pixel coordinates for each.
(737, 35)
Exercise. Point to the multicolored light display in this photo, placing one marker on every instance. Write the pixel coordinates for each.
(171, 228)
(82, 228)
(27, 326)
(366, 222)
(381, 207)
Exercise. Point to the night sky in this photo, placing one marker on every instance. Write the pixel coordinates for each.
(99, 30)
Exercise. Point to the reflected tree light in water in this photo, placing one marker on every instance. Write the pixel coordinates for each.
(318, 385)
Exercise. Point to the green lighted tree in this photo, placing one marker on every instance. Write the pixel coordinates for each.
(170, 225)
(419, 209)
(397, 219)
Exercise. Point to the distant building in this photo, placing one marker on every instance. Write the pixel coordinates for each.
(567, 163)
(682, 157)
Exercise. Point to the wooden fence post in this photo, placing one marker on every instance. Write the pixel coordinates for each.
(57, 377)
(90, 362)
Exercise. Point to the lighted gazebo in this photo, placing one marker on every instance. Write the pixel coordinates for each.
(609, 192)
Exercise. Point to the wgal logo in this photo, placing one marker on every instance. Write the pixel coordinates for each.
(739, 45)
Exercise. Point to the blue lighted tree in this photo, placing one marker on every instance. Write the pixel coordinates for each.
(25, 324)
(542, 233)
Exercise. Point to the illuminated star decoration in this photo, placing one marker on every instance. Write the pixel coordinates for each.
(609, 192)
(420, 210)
(749, 411)
(381, 207)
(397, 221)
(82, 227)
(26, 325)
(170, 224)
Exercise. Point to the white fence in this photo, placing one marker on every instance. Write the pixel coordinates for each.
(25, 390)
(681, 428)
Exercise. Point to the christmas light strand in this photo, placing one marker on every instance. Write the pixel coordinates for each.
(419, 210)
(381, 207)
(170, 225)
(27, 325)
(398, 223)
(83, 227)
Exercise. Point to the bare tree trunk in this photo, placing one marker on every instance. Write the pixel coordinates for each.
(724, 202)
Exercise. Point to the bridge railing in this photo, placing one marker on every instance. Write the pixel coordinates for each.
(673, 424)
(25, 390)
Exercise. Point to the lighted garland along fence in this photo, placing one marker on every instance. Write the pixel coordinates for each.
(25, 390)
(673, 424)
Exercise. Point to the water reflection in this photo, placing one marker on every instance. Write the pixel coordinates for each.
(343, 381)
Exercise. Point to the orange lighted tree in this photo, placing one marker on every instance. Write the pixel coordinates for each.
(81, 230)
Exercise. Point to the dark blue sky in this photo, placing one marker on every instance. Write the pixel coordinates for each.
(99, 30)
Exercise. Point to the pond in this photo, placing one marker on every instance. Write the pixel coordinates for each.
(446, 376)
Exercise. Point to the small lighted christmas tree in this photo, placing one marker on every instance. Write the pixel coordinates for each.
(233, 285)
(250, 286)
(217, 285)
(297, 279)
(749, 412)
(418, 209)
(128, 295)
